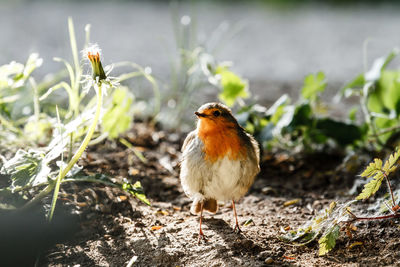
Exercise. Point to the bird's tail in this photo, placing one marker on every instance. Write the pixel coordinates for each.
(209, 205)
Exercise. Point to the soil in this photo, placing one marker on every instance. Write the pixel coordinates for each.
(116, 229)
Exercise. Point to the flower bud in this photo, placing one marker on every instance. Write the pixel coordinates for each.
(97, 68)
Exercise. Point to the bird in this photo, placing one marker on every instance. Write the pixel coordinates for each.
(219, 161)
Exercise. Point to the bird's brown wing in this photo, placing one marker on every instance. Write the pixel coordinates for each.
(189, 138)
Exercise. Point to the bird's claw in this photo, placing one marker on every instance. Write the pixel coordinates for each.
(202, 237)
(237, 229)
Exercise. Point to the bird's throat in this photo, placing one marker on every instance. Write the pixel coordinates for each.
(220, 141)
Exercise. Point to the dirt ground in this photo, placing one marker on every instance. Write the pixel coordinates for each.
(116, 229)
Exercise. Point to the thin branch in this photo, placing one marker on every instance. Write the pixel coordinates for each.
(356, 218)
(390, 189)
(388, 130)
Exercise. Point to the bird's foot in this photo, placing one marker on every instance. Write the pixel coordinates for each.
(237, 229)
(202, 237)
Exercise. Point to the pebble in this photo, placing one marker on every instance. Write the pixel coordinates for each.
(265, 254)
(269, 260)
(279, 251)
(268, 190)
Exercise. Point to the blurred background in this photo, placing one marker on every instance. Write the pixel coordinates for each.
(272, 44)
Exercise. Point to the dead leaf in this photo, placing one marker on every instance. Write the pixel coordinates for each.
(289, 257)
(248, 222)
(291, 202)
(133, 171)
(354, 244)
(122, 198)
(162, 212)
(81, 204)
(156, 227)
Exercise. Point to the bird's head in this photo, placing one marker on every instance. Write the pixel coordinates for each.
(215, 116)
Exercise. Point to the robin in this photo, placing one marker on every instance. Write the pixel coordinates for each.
(219, 161)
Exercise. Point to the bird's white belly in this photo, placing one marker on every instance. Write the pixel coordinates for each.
(223, 180)
(222, 184)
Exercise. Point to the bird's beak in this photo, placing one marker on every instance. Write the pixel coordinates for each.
(198, 114)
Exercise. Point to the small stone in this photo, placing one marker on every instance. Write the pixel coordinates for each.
(264, 254)
(269, 260)
(268, 190)
(279, 251)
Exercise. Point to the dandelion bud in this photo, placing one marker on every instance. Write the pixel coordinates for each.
(93, 55)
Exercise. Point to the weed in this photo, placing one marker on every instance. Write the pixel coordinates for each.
(302, 124)
(339, 217)
(194, 70)
(378, 92)
(33, 169)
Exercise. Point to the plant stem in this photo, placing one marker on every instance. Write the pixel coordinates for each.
(76, 156)
(356, 218)
(9, 125)
(36, 107)
(71, 139)
(388, 130)
(39, 197)
(78, 70)
(367, 115)
(59, 178)
(390, 188)
(142, 72)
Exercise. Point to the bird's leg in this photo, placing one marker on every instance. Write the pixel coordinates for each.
(201, 235)
(237, 228)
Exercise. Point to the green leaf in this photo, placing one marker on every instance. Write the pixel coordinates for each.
(136, 190)
(26, 168)
(343, 133)
(379, 66)
(233, 87)
(371, 187)
(389, 164)
(383, 123)
(8, 72)
(375, 170)
(282, 101)
(389, 86)
(33, 62)
(118, 117)
(328, 241)
(326, 220)
(358, 82)
(279, 112)
(313, 84)
(394, 158)
(301, 236)
(372, 168)
(302, 116)
(386, 94)
(353, 113)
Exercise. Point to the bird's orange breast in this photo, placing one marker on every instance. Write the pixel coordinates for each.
(220, 140)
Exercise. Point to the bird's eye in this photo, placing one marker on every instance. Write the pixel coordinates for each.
(216, 113)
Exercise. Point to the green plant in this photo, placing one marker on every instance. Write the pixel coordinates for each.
(339, 217)
(33, 169)
(194, 70)
(301, 124)
(16, 94)
(378, 90)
